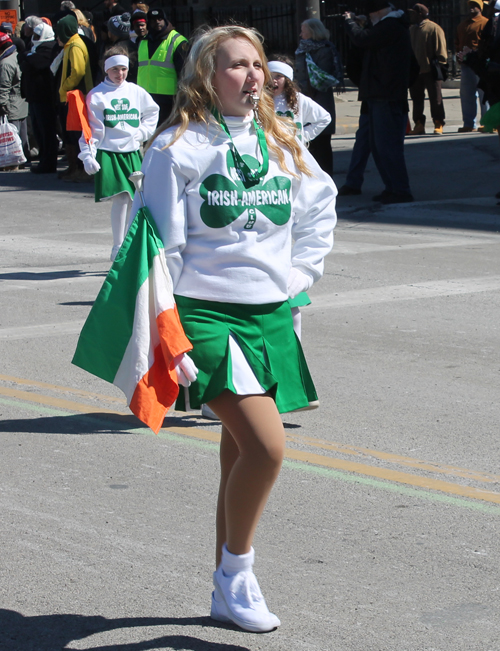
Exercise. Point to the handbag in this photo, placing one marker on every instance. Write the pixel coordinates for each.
(439, 70)
(319, 79)
(11, 147)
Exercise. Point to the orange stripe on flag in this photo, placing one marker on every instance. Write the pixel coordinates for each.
(158, 389)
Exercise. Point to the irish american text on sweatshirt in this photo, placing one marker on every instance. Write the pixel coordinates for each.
(226, 240)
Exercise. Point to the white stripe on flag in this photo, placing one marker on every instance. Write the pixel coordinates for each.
(154, 297)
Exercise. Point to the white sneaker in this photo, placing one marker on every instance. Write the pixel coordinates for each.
(218, 611)
(206, 412)
(238, 599)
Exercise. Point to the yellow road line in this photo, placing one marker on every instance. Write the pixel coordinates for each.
(55, 387)
(300, 439)
(296, 455)
(395, 458)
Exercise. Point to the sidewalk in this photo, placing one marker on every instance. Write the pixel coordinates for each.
(453, 177)
(348, 106)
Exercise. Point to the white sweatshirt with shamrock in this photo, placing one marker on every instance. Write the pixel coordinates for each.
(226, 242)
(311, 118)
(121, 117)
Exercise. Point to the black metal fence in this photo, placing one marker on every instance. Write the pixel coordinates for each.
(278, 23)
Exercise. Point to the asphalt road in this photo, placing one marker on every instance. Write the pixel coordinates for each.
(382, 531)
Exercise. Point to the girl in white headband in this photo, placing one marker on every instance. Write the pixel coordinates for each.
(122, 116)
(310, 119)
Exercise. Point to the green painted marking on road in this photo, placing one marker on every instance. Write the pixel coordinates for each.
(289, 464)
(394, 488)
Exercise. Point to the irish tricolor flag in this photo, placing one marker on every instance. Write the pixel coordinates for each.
(133, 331)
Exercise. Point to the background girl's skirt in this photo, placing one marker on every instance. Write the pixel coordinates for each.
(248, 349)
(300, 300)
(112, 178)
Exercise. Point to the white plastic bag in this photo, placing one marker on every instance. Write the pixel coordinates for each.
(11, 147)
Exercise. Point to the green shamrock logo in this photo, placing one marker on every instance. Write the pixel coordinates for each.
(225, 199)
(121, 112)
(289, 114)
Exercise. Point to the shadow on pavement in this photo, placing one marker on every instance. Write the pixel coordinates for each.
(55, 632)
(49, 275)
(24, 180)
(100, 423)
(453, 179)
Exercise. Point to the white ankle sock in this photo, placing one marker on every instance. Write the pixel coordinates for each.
(233, 563)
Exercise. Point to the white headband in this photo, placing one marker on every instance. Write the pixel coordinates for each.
(118, 60)
(281, 68)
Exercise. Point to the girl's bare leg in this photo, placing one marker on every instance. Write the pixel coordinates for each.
(252, 450)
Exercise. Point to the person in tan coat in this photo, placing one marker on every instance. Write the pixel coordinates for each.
(467, 40)
(429, 46)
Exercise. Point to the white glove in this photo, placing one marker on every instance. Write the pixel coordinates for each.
(91, 166)
(298, 282)
(186, 370)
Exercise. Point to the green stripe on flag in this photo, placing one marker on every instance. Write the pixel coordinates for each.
(108, 328)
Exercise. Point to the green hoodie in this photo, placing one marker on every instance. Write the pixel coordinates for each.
(66, 28)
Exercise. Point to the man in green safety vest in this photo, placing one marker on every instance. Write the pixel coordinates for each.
(161, 57)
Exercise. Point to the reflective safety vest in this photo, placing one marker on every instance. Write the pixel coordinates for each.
(157, 75)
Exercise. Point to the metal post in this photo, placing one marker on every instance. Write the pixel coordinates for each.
(313, 9)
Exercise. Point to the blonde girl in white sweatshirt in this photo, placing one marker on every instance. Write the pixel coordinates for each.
(122, 116)
(228, 189)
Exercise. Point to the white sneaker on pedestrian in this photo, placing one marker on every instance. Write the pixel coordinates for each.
(206, 412)
(237, 597)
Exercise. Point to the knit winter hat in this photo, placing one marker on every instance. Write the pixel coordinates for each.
(7, 27)
(157, 13)
(119, 25)
(476, 2)
(373, 6)
(5, 39)
(139, 15)
(420, 9)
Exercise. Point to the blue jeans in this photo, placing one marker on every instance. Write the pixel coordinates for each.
(469, 93)
(388, 121)
(360, 154)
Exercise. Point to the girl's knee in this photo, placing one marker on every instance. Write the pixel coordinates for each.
(268, 454)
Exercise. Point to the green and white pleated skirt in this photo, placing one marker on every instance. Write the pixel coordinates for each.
(248, 349)
(112, 178)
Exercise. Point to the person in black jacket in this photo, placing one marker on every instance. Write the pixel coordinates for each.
(37, 87)
(384, 83)
(318, 71)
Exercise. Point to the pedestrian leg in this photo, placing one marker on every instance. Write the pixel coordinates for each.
(387, 132)
(417, 94)
(360, 154)
(468, 96)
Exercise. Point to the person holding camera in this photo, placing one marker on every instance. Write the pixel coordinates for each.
(384, 82)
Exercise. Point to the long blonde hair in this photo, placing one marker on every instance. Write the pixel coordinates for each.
(196, 94)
